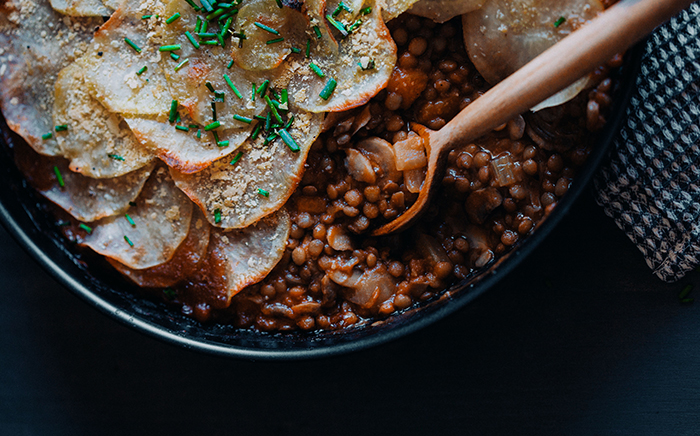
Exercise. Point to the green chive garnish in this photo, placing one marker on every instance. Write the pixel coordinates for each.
(183, 128)
(47, 136)
(266, 28)
(210, 42)
(274, 41)
(142, 70)
(198, 26)
(227, 26)
(128, 241)
(216, 136)
(59, 177)
(263, 192)
(207, 5)
(133, 45)
(216, 13)
(85, 227)
(146, 17)
(337, 25)
(213, 110)
(212, 126)
(181, 64)
(237, 158)
(315, 68)
(173, 111)
(116, 157)
(170, 47)
(220, 95)
(206, 35)
(242, 119)
(685, 292)
(295, 50)
(209, 86)
(233, 87)
(273, 109)
(354, 26)
(317, 31)
(263, 88)
(199, 133)
(256, 132)
(222, 144)
(328, 89)
(61, 127)
(267, 122)
(174, 56)
(230, 64)
(559, 21)
(131, 221)
(308, 48)
(217, 216)
(287, 138)
(366, 10)
(192, 40)
(279, 3)
(175, 16)
(342, 6)
(169, 293)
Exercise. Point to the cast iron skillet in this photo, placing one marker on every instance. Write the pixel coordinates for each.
(22, 212)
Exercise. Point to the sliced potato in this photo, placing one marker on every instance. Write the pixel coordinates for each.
(81, 8)
(36, 42)
(394, 8)
(161, 220)
(504, 35)
(444, 10)
(361, 65)
(184, 263)
(112, 65)
(231, 196)
(98, 143)
(85, 198)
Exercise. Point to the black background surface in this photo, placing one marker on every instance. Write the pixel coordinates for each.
(580, 339)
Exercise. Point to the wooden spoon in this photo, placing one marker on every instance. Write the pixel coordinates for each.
(612, 32)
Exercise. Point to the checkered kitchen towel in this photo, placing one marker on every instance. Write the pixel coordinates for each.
(651, 188)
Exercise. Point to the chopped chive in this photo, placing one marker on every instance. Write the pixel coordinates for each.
(85, 227)
(273, 109)
(317, 31)
(116, 157)
(225, 5)
(47, 136)
(289, 122)
(219, 95)
(206, 35)
(342, 6)
(174, 56)
(263, 88)
(178, 118)
(191, 3)
(685, 292)
(210, 42)
(287, 138)
(328, 89)
(212, 126)
(227, 26)
(198, 26)
(316, 69)
(207, 5)
(354, 25)
(230, 64)
(559, 21)
(209, 86)
(217, 216)
(366, 10)
(263, 192)
(216, 136)
(131, 221)
(169, 47)
(213, 110)
(132, 203)
(222, 144)
(267, 122)
(61, 127)
(220, 38)
(216, 13)
(252, 93)
(274, 41)
(279, 4)
(169, 293)
(266, 28)
(128, 241)
(308, 48)
(191, 38)
(142, 70)
(181, 64)
(284, 96)
(237, 158)
(295, 50)
(687, 300)
(229, 15)
(199, 133)
(242, 119)
(59, 177)
(146, 17)
(192, 126)
(183, 128)
(63, 223)
(133, 45)
(173, 111)
(256, 132)
(205, 24)
(233, 87)
(174, 17)
(337, 25)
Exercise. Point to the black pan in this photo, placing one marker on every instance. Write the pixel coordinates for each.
(23, 213)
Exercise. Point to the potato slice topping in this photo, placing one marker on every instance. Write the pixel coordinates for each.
(444, 10)
(82, 8)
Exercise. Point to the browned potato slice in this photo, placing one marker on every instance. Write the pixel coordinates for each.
(361, 65)
(162, 220)
(394, 8)
(231, 196)
(112, 66)
(255, 53)
(443, 10)
(184, 263)
(98, 143)
(504, 35)
(81, 8)
(36, 42)
(240, 258)
(85, 198)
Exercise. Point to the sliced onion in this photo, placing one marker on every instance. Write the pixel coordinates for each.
(373, 287)
(359, 166)
(502, 167)
(382, 153)
(410, 154)
(413, 180)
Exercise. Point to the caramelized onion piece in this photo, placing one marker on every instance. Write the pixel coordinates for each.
(85, 198)
(359, 166)
(258, 183)
(162, 219)
(410, 153)
(98, 143)
(35, 44)
(381, 152)
(184, 263)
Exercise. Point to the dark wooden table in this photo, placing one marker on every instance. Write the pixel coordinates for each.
(580, 339)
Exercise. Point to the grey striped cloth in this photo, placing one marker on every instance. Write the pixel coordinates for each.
(651, 187)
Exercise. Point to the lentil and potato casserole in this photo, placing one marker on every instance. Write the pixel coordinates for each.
(269, 229)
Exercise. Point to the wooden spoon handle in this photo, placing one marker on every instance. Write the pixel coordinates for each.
(573, 57)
